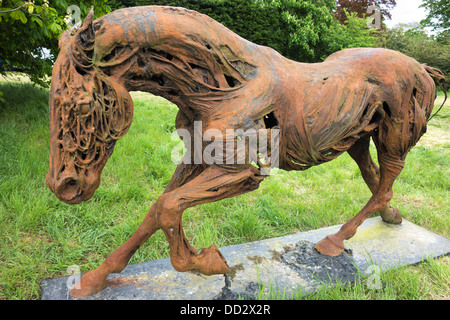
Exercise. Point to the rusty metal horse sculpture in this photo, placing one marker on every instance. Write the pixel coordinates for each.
(214, 76)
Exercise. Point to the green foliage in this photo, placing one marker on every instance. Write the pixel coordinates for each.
(438, 15)
(306, 23)
(29, 32)
(352, 34)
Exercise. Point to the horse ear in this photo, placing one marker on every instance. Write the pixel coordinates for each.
(85, 35)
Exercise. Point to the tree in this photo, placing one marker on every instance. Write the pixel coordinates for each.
(438, 16)
(360, 7)
(29, 32)
(307, 22)
(353, 33)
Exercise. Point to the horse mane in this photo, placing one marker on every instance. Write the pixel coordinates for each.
(86, 99)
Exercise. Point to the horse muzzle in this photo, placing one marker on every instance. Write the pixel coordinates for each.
(72, 188)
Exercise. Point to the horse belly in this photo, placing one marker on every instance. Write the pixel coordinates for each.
(327, 121)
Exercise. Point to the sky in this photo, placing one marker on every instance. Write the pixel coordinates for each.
(406, 11)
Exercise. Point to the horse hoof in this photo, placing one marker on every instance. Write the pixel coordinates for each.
(329, 246)
(391, 215)
(89, 284)
(211, 261)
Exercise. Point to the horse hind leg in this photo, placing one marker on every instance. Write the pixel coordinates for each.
(390, 168)
(393, 141)
(371, 175)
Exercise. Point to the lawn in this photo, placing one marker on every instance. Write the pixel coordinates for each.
(42, 237)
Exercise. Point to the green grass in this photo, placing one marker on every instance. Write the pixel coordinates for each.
(42, 236)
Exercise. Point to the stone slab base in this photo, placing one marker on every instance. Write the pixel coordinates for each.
(285, 265)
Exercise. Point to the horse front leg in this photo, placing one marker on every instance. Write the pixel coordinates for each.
(95, 280)
(213, 184)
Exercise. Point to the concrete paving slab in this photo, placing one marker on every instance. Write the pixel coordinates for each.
(285, 264)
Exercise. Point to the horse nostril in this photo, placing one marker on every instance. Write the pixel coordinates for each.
(68, 189)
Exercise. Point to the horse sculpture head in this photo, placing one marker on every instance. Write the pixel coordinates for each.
(89, 112)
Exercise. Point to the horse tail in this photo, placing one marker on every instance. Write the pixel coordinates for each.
(439, 78)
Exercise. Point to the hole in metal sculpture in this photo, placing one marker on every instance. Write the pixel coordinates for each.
(386, 109)
(270, 121)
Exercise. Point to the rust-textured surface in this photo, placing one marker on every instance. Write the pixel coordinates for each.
(214, 76)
